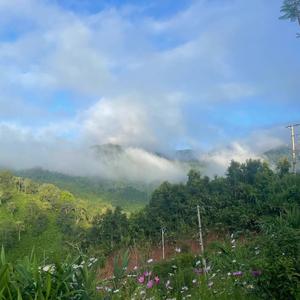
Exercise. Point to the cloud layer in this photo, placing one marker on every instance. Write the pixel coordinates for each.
(204, 76)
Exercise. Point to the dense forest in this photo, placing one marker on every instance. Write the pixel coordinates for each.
(253, 203)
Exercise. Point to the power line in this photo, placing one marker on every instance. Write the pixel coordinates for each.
(294, 156)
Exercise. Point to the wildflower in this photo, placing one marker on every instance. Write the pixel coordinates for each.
(256, 273)
(207, 268)
(238, 273)
(149, 261)
(156, 280)
(198, 262)
(233, 241)
(141, 279)
(146, 273)
(135, 268)
(178, 250)
(210, 284)
(168, 283)
(49, 268)
(198, 271)
(194, 280)
(150, 284)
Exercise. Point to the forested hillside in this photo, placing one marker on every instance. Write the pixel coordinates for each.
(40, 216)
(130, 195)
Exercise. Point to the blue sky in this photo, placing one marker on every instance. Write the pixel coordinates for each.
(157, 75)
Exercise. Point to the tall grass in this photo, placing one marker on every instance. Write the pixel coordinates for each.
(34, 280)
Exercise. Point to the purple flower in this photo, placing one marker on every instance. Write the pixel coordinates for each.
(238, 273)
(198, 271)
(150, 284)
(141, 279)
(256, 273)
(146, 273)
(156, 280)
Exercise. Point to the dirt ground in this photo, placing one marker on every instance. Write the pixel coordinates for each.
(139, 255)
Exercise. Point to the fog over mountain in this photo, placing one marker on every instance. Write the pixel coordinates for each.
(22, 150)
(193, 75)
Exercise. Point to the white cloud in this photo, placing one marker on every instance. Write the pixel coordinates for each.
(23, 148)
(135, 120)
(145, 71)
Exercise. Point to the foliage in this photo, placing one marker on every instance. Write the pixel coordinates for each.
(291, 11)
(31, 279)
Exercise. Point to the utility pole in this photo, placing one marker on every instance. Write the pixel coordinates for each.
(163, 241)
(294, 156)
(201, 239)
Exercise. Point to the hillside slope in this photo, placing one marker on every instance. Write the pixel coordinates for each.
(32, 214)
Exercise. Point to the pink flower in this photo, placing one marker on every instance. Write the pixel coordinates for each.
(150, 284)
(146, 273)
(156, 280)
(141, 279)
(238, 273)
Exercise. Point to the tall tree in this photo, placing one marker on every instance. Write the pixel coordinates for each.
(291, 11)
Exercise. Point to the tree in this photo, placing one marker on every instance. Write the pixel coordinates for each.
(283, 167)
(20, 227)
(49, 193)
(12, 207)
(291, 11)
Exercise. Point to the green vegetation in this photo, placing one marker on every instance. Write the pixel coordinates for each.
(40, 216)
(253, 210)
(129, 195)
(291, 11)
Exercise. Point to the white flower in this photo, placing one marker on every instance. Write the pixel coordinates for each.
(116, 291)
(194, 280)
(178, 250)
(150, 260)
(49, 268)
(198, 262)
(207, 268)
